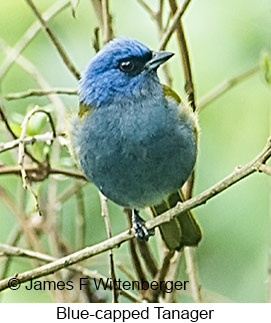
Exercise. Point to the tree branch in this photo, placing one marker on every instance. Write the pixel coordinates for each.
(29, 35)
(35, 74)
(80, 220)
(168, 33)
(13, 238)
(39, 92)
(189, 86)
(48, 136)
(40, 172)
(161, 274)
(226, 86)
(157, 16)
(105, 215)
(151, 12)
(148, 258)
(21, 152)
(192, 273)
(55, 41)
(236, 176)
(12, 133)
(107, 19)
(11, 251)
(101, 8)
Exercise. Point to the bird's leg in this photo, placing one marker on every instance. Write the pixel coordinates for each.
(141, 232)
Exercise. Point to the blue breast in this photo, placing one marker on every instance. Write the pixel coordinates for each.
(138, 155)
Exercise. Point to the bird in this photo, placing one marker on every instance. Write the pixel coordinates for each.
(135, 139)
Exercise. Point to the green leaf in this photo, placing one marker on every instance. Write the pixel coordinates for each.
(37, 122)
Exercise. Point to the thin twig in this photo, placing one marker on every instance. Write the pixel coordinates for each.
(12, 133)
(39, 92)
(31, 236)
(96, 39)
(70, 260)
(30, 34)
(107, 22)
(191, 267)
(168, 33)
(53, 226)
(39, 173)
(97, 6)
(22, 137)
(13, 238)
(36, 75)
(101, 8)
(265, 169)
(74, 4)
(133, 253)
(21, 153)
(147, 257)
(189, 86)
(159, 14)
(154, 294)
(5, 120)
(67, 172)
(187, 189)
(200, 199)
(161, 28)
(158, 18)
(136, 263)
(105, 215)
(11, 251)
(126, 271)
(226, 86)
(45, 137)
(151, 12)
(167, 21)
(80, 220)
(70, 191)
(55, 41)
(192, 273)
(172, 275)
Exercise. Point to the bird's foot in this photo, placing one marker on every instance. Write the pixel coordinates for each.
(141, 232)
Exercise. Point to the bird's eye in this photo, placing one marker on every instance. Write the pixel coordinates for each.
(134, 65)
(126, 66)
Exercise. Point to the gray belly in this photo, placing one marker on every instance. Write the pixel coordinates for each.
(135, 164)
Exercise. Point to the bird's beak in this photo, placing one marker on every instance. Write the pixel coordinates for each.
(157, 59)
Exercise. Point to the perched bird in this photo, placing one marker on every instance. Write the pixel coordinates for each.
(133, 137)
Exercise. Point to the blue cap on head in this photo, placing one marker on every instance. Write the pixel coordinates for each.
(124, 47)
(123, 68)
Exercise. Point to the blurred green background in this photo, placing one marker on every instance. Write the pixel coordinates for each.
(225, 38)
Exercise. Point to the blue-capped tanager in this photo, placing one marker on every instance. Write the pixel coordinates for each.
(134, 138)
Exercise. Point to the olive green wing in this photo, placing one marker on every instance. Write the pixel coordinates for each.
(183, 230)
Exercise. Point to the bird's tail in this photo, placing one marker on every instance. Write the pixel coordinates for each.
(183, 230)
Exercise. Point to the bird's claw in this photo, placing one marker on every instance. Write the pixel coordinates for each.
(141, 232)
